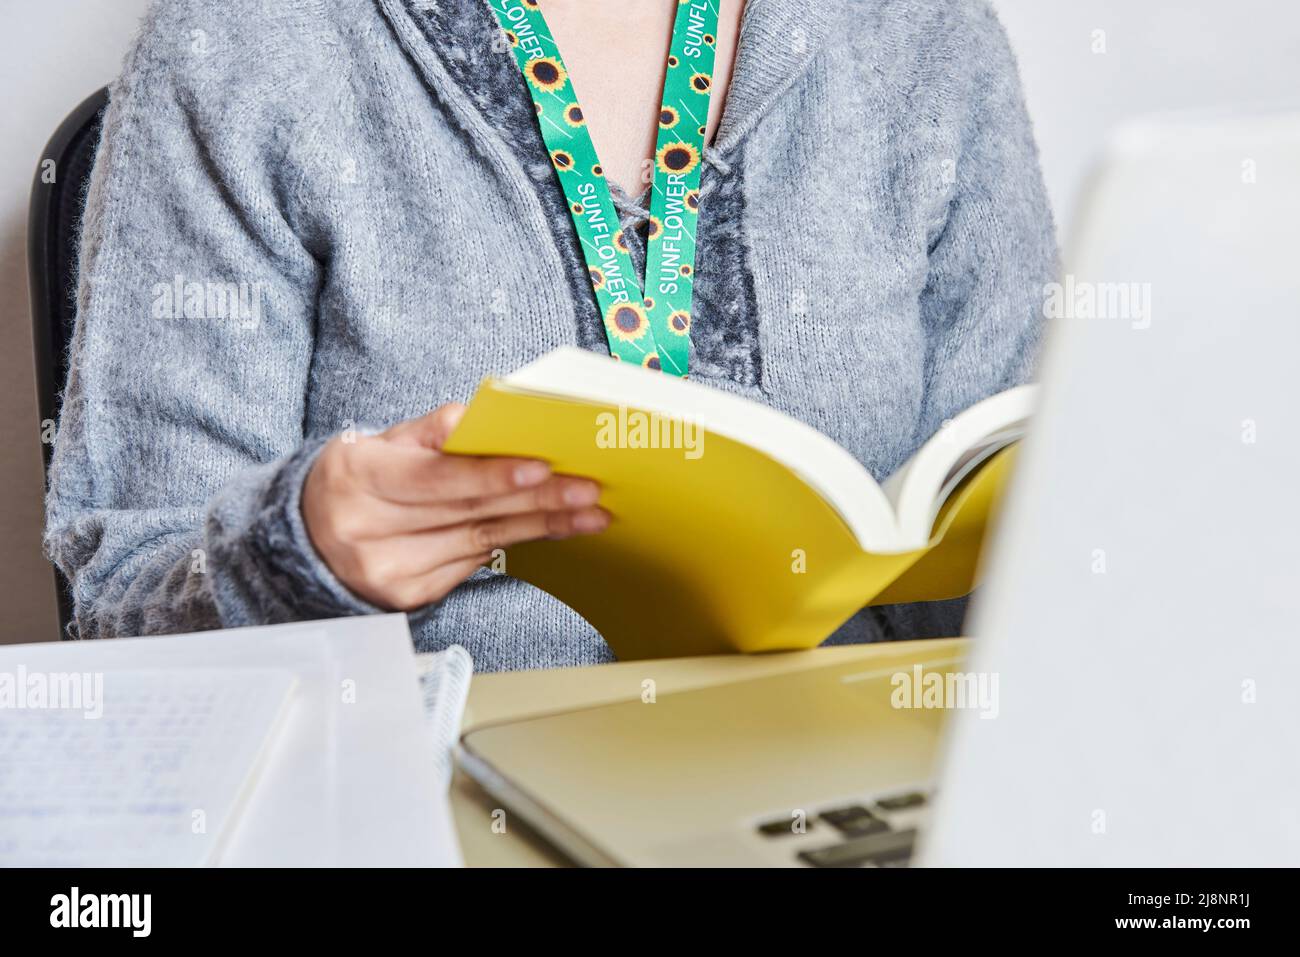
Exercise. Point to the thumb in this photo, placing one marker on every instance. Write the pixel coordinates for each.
(429, 431)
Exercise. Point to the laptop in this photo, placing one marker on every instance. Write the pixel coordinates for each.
(1127, 698)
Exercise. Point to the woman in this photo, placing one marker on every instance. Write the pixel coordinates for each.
(371, 177)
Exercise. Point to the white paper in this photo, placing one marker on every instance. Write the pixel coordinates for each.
(347, 781)
(143, 768)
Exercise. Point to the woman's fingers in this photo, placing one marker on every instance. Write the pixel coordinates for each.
(558, 493)
(409, 594)
(430, 430)
(412, 475)
(401, 523)
(404, 465)
(415, 554)
(407, 571)
(486, 535)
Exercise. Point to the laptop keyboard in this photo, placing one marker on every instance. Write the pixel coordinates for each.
(867, 834)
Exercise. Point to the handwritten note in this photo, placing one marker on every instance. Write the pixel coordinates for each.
(130, 768)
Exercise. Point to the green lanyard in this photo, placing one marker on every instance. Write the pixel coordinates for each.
(652, 328)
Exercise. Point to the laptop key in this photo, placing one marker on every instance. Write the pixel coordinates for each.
(884, 849)
(901, 802)
(853, 821)
(782, 826)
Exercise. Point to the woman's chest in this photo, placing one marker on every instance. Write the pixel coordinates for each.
(810, 267)
(615, 58)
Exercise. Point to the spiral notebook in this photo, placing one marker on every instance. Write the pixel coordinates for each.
(444, 689)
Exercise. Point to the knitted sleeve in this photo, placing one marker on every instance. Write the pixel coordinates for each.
(982, 306)
(180, 454)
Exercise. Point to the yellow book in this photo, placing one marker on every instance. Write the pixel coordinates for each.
(735, 527)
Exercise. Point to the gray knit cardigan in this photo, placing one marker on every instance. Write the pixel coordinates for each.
(314, 215)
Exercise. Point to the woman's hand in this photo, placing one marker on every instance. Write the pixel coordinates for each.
(401, 524)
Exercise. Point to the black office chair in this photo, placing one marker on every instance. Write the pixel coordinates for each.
(53, 234)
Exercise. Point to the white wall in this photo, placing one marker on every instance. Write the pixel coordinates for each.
(1160, 55)
(53, 54)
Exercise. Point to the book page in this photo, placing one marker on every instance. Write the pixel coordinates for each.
(919, 488)
(130, 768)
(824, 466)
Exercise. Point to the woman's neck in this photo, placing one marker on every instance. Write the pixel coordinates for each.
(615, 55)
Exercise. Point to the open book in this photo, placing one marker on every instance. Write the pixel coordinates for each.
(736, 527)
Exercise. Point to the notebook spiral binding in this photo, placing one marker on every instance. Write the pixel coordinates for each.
(444, 688)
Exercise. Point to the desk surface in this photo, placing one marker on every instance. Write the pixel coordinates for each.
(520, 694)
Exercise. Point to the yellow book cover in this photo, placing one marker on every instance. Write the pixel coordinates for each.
(735, 527)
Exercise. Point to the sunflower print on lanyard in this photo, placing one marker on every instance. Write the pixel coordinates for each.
(651, 324)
